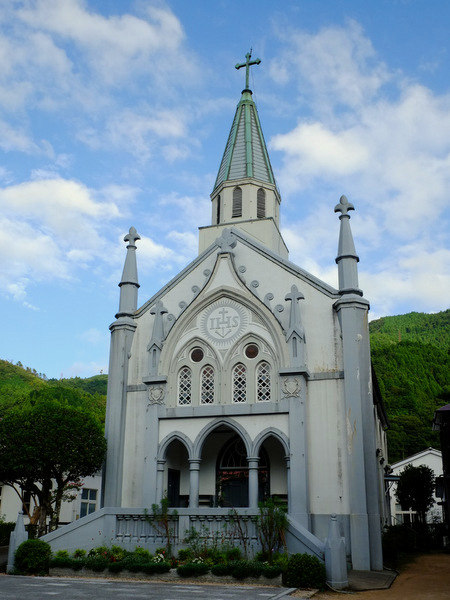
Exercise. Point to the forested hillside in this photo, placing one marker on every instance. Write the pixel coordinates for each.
(411, 357)
(17, 382)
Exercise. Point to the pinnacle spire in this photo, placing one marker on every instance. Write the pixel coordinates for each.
(347, 259)
(129, 283)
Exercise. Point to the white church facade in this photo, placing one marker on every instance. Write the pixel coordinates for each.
(244, 378)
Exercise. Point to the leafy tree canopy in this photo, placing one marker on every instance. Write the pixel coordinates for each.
(415, 489)
(47, 442)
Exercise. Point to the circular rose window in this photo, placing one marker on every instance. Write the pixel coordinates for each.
(251, 351)
(197, 355)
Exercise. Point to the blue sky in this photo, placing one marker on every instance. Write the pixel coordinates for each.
(116, 113)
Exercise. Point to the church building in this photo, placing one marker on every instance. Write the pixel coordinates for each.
(245, 377)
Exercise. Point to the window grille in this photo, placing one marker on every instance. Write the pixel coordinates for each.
(263, 382)
(184, 386)
(261, 203)
(239, 383)
(237, 202)
(207, 379)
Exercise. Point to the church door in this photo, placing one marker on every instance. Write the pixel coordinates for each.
(173, 487)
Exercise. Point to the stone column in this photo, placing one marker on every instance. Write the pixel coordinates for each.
(160, 479)
(194, 481)
(253, 483)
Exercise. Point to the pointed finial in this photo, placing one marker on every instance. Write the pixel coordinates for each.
(344, 206)
(248, 63)
(131, 237)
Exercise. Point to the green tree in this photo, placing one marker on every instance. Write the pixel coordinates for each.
(272, 523)
(415, 490)
(45, 447)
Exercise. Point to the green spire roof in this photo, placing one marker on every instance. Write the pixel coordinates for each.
(246, 153)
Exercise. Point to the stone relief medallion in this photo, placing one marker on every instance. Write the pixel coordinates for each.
(291, 387)
(156, 394)
(224, 322)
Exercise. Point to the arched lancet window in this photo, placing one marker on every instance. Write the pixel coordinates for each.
(185, 386)
(240, 383)
(207, 385)
(261, 203)
(237, 202)
(263, 382)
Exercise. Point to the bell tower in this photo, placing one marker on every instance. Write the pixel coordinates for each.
(245, 193)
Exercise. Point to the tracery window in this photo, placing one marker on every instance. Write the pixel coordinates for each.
(237, 202)
(185, 386)
(260, 203)
(263, 382)
(207, 385)
(240, 383)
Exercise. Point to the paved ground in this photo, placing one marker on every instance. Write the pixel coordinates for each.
(41, 588)
(425, 578)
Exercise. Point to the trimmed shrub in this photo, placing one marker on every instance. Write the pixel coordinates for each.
(193, 569)
(96, 563)
(305, 571)
(152, 567)
(241, 569)
(270, 571)
(116, 567)
(33, 558)
(141, 553)
(222, 569)
(62, 562)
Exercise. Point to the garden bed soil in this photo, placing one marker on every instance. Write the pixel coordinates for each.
(172, 576)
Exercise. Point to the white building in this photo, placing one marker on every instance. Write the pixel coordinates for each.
(86, 501)
(244, 377)
(430, 458)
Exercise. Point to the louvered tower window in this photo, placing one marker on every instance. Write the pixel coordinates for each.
(184, 386)
(218, 209)
(263, 382)
(240, 383)
(237, 202)
(207, 385)
(261, 204)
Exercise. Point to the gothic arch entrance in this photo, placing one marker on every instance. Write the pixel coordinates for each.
(232, 474)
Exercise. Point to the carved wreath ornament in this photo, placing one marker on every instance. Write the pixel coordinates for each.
(291, 387)
(156, 395)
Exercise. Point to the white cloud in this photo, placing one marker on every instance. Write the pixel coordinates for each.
(93, 336)
(385, 142)
(58, 228)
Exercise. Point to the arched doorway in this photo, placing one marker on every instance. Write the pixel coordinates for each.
(177, 474)
(232, 474)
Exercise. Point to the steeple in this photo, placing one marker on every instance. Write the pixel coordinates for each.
(245, 193)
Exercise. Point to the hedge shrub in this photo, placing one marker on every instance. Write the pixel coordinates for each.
(305, 571)
(32, 558)
(193, 569)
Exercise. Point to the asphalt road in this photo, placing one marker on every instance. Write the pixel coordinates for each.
(37, 588)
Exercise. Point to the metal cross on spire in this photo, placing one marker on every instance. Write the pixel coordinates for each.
(248, 63)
